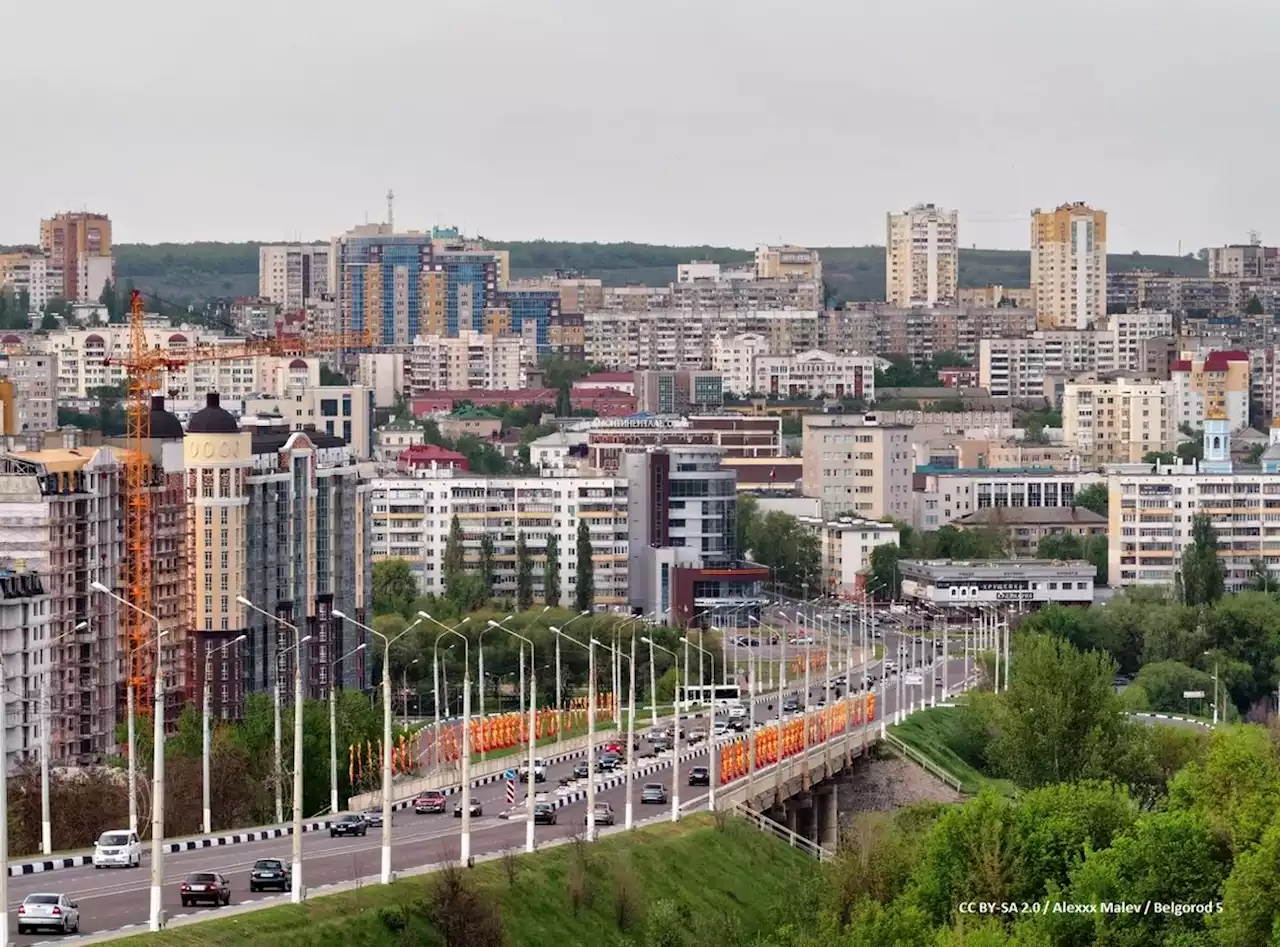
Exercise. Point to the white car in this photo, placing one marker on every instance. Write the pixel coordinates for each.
(50, 911)
(720, 729)
(539, 772)
(737, 710)
(117, 848)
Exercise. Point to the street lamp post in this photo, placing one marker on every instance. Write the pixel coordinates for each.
(533, 735)
(631, 725)
(46, 739)
(591, 726)
(386, 735)
(404, 690)
(207, 751)
(675, 763)
(333, 727)
(675, 740)
(555, 633)
(279, 770)
(437, 673)
(480, 664)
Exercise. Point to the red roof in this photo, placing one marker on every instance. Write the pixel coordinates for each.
(177, 337)
(603, 378)
(424, 455)
(10, 339)
(93, 339)
(298, 363)
(1181, 365)
(1220, 361)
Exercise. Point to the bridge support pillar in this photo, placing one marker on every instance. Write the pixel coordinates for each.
(807, 823)
(826, 812)
(789, 813)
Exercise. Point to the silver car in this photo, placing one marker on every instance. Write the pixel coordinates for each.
(49, 911)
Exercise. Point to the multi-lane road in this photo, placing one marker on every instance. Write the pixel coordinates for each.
(113, 898)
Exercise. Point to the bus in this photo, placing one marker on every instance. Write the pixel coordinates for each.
(723, 695)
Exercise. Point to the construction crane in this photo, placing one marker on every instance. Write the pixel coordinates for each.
(145, 367)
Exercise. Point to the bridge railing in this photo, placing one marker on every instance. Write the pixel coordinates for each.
(794, 839)
(920, 759)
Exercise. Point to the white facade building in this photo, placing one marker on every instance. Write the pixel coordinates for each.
(846, 544)
(24, 642)
(40, 279)
(922, 259)
(469, 361)
(412, 517)
(943, 497)
(292, 274)
(673, 339)
(748, 367)
(1022, 582)
(1119, 421)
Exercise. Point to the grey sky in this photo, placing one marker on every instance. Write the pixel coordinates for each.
(668, 121)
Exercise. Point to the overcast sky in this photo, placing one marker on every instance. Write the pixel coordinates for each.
(667, 121)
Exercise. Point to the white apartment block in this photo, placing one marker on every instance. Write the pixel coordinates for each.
(384, 373)
(394, 438)
(943, 497)
(292, 274)
(1119, 421)
(1069, 266)
(846, 544)
(40, 279)
(748, 367)
(787, 263)
(412, 517)
(668, 340)
(469, 361)
(24, 645)
(922, 258)
(1217, 385)
(855, 465)
(1151, 512)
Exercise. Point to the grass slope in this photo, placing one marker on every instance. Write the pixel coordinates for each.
(936, 733)
(184, 272)
(748, 879)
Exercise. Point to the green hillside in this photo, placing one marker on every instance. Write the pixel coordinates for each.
(188, 272)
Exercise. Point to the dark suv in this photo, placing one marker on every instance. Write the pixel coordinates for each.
(350, 824)
(699, 776)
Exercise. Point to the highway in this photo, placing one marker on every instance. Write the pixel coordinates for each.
(113, 898)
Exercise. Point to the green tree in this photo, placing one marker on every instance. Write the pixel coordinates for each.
(1068, 546)
(1254, 306)
(585, 588)
(747, 515)
(524, 575)
(487, 564)
(109, 299)
(48, 322)
(1236, 787)
(394, 587)
(885, 572)
(1251, 895)
(1202, 581)
(564, 404)
(330, 377)
(551, 572)
(1094, 497)
(454, 551)
(1060, 719)
(24, 302)
(791, 552)
(1161, 684)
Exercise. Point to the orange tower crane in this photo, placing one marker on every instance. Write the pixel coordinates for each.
(145, 367)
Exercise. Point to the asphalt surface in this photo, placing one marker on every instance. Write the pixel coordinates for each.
(113, 898)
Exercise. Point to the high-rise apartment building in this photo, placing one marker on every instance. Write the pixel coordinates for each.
(856, 465)
(468, 360)
(291, 274)
(24, 637)
(1120, 421)
(80, 245)
(1069, 266)
(412, 515)
(1216, 384)
(922, 257)
(35, 389)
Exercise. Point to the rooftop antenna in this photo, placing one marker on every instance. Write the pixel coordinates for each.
(1255, 238)
(391, 219)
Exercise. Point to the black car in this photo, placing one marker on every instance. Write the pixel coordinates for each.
(269, 873)
(476, 809)
(544, 813)
(608, 762)
(738, 724)
(699, 776)
(581, 770)
(790, 705)
(350, 824)
(206, 886)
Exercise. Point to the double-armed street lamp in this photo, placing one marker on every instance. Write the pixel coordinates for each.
(631, 723)
(533, 719)
(591, 726)
(333, 726)
(711, 737)
(556, 632)
(675, 741)
(436, 674)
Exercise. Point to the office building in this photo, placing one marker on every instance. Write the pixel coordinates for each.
(291, 274)
(1069, 266)
(62, 517)
(682, 523)
(278, 517)
(856, 465)
(678, 392)
(24, 642)
(79, 244)
(412, 516)
(942, 496)
(1025, 583)
(922, 257)
(847, 543)
(1119, 421)
(468, 360)
(1215, 384)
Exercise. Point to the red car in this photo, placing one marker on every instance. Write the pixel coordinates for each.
(614, 747)
(430, 801)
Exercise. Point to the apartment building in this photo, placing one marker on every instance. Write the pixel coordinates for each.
(62, 517)
(578, 293)
(608, 439)
(412, 516)
(1151, 514)
(1264, 378)
(856, 465)
(668, 340)
(847, 543)
(1119, 421)
(384, 373)
(24, 644)
(35, 275)
(291, 274)
(749, 368)
(709, 287)
(476, 360)
(943, 496)
(922, 257)
(1187, 296)
(996, 294)
(1025, 527)
(788, 263)
(79, 244)
(1069, 266)
(277, 516)
(682, 526)
(1216, 384)
(35, 390)
(340, 411)
(395, 437)
(920, 334)
(1250, 261)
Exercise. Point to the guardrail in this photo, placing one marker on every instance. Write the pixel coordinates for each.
(794, 839)
(920, 759)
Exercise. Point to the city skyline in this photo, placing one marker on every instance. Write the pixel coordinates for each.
(732, 142)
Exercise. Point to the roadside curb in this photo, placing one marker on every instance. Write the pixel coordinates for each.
(170, 848)
(1175, 717)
